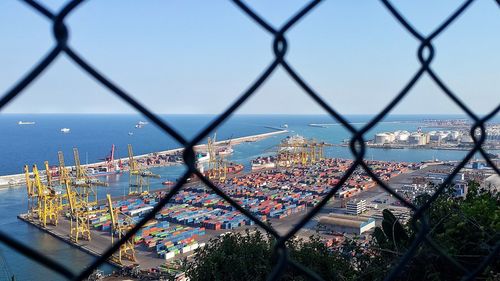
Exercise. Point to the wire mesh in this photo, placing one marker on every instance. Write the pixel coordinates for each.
(357, 146)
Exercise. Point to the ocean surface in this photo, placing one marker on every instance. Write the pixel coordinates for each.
(94, 135)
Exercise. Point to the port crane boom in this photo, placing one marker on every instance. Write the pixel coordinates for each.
(138, 176)
(127, 249)
(217, 165)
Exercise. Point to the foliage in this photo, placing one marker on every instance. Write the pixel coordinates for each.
(249, 256)
(466, 230)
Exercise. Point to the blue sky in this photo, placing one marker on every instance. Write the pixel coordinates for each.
(199, 56)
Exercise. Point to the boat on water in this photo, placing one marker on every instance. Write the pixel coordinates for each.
(25, 123)
(65, 130)
(261, 163)
(102, 171)
(130, 133)
(284, 126)
(200, 157)
(168, 183)
(109, 168)
(234, 168)
(225, 151)
(318, 125)
(141, 124)
(294, 140)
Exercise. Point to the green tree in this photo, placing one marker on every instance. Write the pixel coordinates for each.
(249, 256)
(465, 229)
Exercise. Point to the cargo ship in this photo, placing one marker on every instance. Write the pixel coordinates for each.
(109, 168)
(141, 124)
(25, 123)
(102, 171)
(318, 125)
(263, 163)
(234, 168)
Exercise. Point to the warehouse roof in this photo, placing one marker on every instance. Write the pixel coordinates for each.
(343, 220)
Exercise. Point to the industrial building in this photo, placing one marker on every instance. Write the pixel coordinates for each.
(402, 137)
(383, 138)
(444, 136)
(493, 133)
(356, 207)
(348, 224)
(442, 176)
(435, 137)
(418, 138)
(460, 185)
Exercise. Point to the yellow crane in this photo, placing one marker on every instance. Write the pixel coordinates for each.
(57, 187)
(63, 171)
(79, 217)
(217, 165)
(127, 249)
(32, 195)
(84, 183)
(81, 197)
(317, 150)
(47, 201)
(138, 176)
(80, 213)
(64, 179)
(48, 173)
(298, 150)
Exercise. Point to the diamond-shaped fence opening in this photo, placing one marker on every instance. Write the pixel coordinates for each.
(425, 55)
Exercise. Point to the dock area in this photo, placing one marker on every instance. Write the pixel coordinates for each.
(196, 214)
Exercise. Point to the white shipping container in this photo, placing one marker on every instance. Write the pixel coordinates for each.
(140, 210)
(194, 246)
(169, 255)
(186, 249)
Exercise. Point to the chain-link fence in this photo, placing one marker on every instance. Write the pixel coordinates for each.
(425, 56)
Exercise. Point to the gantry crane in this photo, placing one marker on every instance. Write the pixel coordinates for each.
(47, 201)
(80, 213)
(298, 150)
(318, 150)
(85, 184)
(63, 171)
(48, 174)
(120, 228)
(81, 197)
(138, 176)
(57, 187)
(217, 165)
(79, 217)
(32, 195)
(63, 181)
